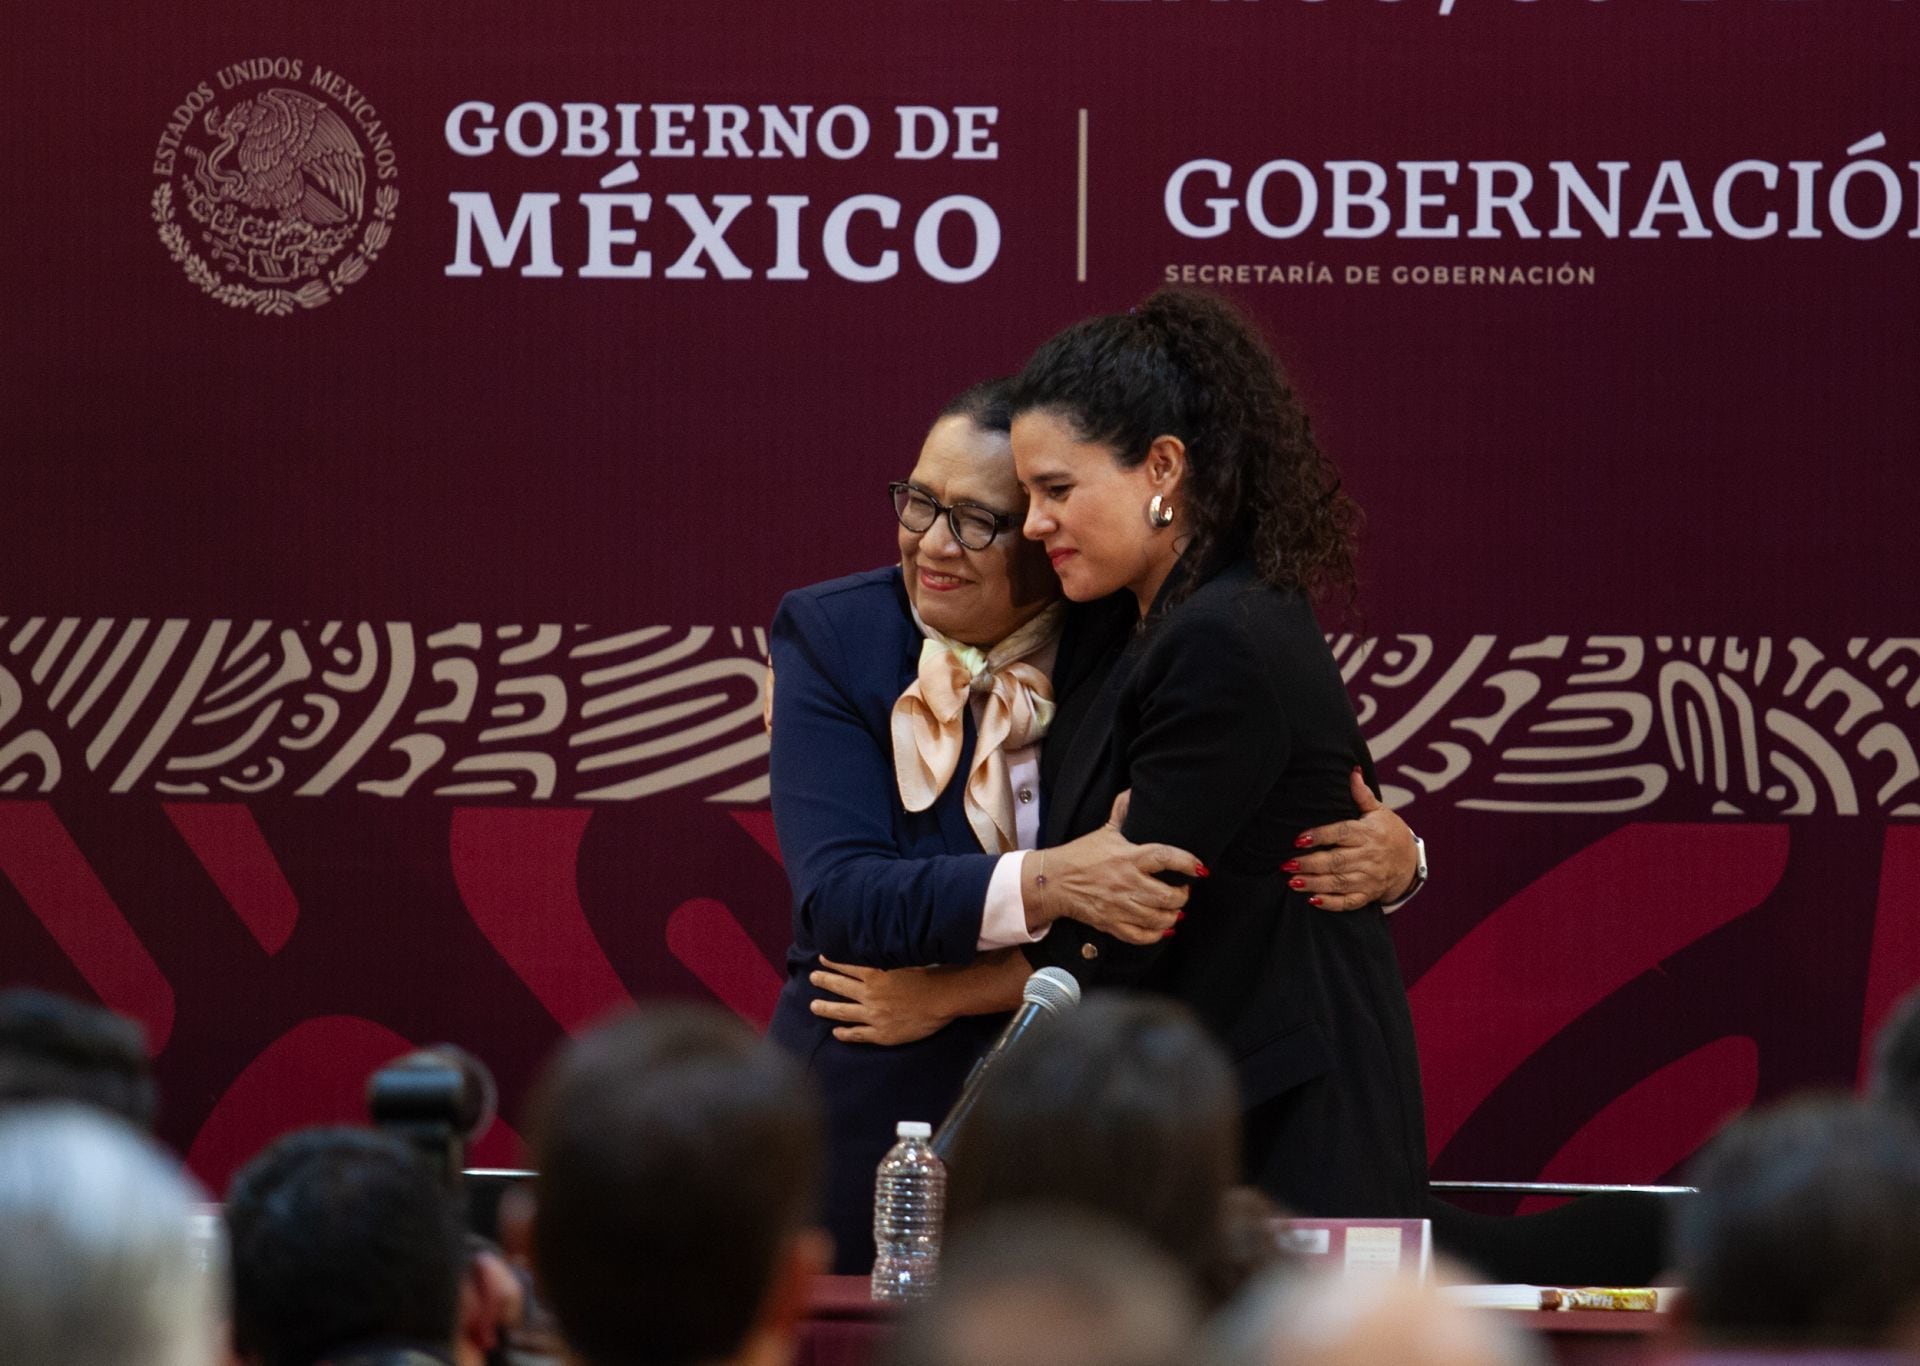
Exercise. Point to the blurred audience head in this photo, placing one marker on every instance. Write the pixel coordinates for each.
(1320, 1318)
(101, 1261)
(344, 1247)
(679, 1158)
(56, 1048)
(1042, 1285)
(1124, 1107)
(1896, 1058)
(1806, 1231)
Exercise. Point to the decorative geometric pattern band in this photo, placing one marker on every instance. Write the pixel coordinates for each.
(1733, 726)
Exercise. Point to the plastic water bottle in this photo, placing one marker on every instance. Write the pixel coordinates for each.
(909, 1204)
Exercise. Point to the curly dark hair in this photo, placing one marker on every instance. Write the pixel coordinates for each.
(1190, 364)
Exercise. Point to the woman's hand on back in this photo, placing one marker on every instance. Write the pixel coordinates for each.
(900, 1005)
(1105, 881)
(1355, 863)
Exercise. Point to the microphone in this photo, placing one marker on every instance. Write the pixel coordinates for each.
(1049, 992)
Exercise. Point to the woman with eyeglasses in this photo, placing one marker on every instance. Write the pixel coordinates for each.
(908, 713)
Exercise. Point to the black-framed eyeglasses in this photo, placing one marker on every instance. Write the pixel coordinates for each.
(972, 525)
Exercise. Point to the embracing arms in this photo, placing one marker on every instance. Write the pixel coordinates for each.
(859, 895)
(874, 885)
(1234, 731)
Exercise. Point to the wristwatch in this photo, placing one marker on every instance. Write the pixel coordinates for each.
(1419, 878)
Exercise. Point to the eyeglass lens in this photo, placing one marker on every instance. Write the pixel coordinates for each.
(973, 527)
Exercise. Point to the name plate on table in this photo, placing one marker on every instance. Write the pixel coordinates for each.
(1360, 1247)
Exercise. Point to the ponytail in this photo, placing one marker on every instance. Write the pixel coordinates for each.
(1189, 364)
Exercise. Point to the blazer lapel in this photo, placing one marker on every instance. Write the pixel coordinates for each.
(1076, 765)
(1095, 633)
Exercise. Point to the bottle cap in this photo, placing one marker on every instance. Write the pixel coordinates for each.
(913, 1128)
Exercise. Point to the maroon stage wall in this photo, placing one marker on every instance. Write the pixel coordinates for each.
(385, 588)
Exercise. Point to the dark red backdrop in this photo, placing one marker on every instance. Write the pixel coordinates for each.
(1638, 652)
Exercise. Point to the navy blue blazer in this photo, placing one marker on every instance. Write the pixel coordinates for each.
(873, 883)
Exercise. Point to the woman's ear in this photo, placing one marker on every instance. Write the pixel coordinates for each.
(1166, 464)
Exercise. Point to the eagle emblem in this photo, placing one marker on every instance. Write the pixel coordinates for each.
(276, 186)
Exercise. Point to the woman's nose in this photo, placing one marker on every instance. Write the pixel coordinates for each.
(938, 539)
(1036, 524)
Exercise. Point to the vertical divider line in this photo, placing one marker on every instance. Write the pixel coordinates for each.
(1080, 262)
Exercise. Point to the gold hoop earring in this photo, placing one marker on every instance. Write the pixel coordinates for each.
(1159, 513)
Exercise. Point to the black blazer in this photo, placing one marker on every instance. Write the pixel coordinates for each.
(1229, 720)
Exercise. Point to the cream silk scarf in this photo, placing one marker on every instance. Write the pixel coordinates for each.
(929, 722)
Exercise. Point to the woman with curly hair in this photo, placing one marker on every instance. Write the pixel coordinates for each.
(908, 828)
(1164, 454)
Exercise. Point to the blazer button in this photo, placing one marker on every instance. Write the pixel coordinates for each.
(1089, 951)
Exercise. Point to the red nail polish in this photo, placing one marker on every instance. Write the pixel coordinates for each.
(1313, 901)
(1167, 934)
(1299, 884)
(1200, 870)
(1179, 915)
(1292, 865)
(1305, 841)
